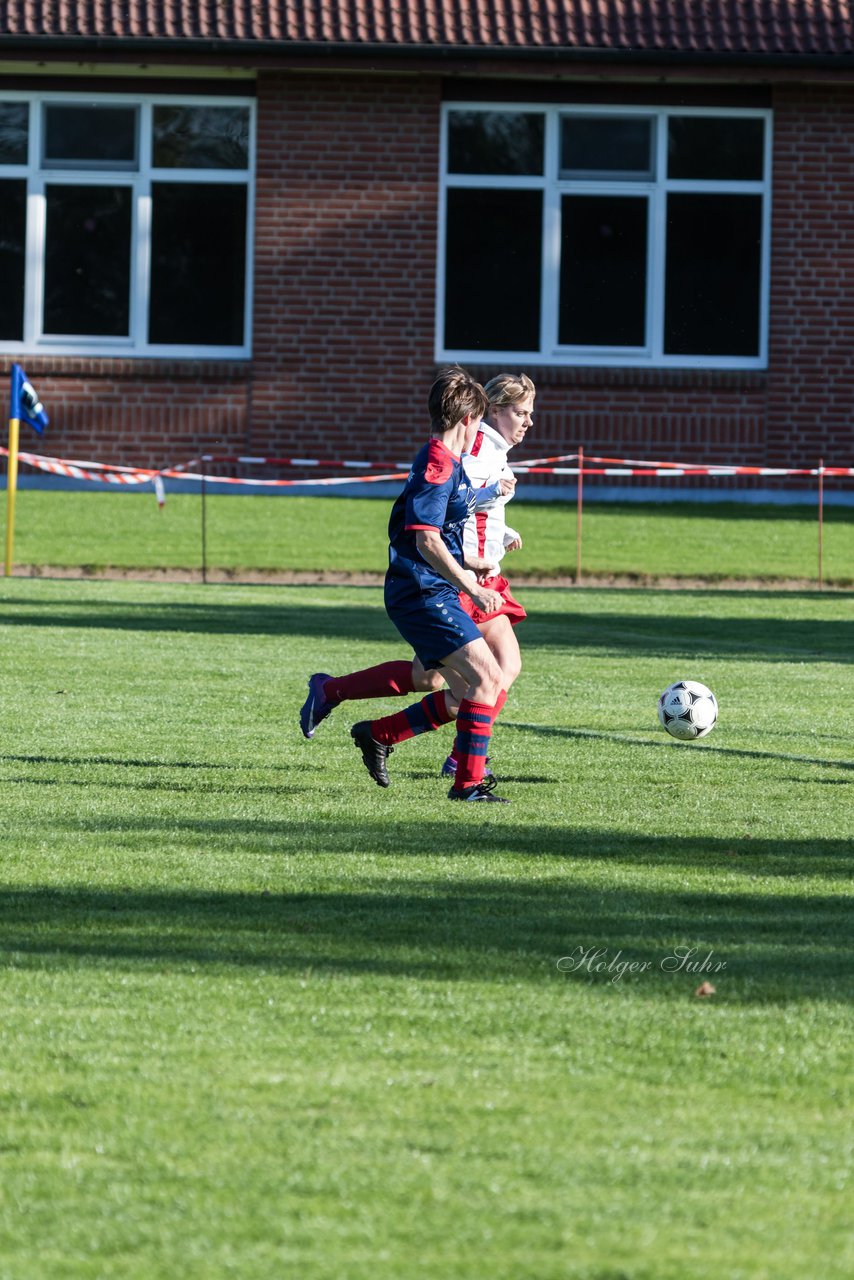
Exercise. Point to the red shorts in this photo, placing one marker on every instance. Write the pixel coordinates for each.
(510, 608)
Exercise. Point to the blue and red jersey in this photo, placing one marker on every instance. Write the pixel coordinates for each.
(437, 495)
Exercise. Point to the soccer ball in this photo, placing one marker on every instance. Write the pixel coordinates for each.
(688, 710)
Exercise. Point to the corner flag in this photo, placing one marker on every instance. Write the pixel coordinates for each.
(25, 405)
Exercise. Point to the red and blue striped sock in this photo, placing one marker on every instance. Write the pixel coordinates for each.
(455, 751)
(474, 727)
(421, 717)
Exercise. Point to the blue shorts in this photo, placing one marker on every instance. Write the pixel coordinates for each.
(432, 622)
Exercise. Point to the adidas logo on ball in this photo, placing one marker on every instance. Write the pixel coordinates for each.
(688, 710)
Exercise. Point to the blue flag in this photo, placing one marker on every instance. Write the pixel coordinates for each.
(25, 404)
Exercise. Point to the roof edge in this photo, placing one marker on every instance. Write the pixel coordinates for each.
(142, 47)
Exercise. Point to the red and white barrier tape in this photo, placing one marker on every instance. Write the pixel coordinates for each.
(539, 466)
(648, 467)
(174, 473)
(105, 472)
(256, 461)
(668, 470)
(111, 473)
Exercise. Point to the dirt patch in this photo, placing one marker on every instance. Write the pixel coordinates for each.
(324, 577)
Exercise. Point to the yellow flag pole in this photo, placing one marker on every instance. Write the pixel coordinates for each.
(11, 489)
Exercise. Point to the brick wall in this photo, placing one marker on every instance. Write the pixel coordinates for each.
(345, 262)
(345, 240)
(141, 412)
(811, 375)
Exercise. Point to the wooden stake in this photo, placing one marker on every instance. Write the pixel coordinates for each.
(11, 490)
(204, 532)
(821, 524)
(578, 516)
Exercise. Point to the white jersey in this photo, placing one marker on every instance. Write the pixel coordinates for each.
(486, 532)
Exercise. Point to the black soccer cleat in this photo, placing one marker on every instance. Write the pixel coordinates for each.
(480, 791)
(374, 753)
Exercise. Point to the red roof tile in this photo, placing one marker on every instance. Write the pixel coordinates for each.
(753, 27)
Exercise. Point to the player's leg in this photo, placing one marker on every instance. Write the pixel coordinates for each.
(424, 681)
(475, 682)
(445, 636)
(376, 739)
(478, 709)
(499, 634)
(387, 680)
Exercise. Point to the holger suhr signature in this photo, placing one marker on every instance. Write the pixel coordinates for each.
(682, 959)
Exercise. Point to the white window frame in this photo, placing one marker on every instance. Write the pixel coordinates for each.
(652, 355)
(140, 181)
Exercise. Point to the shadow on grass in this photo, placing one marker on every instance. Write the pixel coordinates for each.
(781, 949)
(162, 784)
(699, 630)
(130, 762)
(228, 781)
(367, 621)
(702, 634)
(569, 848)
(668, 744)
(392, 836)
(119, 761)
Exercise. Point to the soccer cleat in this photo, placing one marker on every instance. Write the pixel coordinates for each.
(449, 769)
(316, 706)
(480, 791)
(374, 753)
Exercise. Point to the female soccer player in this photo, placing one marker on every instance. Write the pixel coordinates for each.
(487, 535)
(422, 596)
(486, 539)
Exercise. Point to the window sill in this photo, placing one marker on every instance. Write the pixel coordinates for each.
(143, 368)
(628, 376)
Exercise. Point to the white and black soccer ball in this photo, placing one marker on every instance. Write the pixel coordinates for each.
(688, 710)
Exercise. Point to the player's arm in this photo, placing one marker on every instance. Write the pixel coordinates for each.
(487, 495)
(488, 487)
(481, 567)
(512, 539)
(432, 548)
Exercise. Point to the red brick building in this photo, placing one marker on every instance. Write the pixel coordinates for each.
(261, 226)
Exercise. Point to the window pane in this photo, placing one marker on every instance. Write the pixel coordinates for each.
(713, 275)
(603, 271)
(87, 260)
(715, 147)
(13, 234)
(90, 136)
(198, 264)
(14, 117)
(606, 145)
(492, 270)
(201, 137)
(500, 142)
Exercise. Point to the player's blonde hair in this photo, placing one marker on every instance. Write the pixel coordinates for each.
(509, 388)
(453, 396)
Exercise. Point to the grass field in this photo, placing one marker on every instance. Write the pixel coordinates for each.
(712, 541)
(261, 1019)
